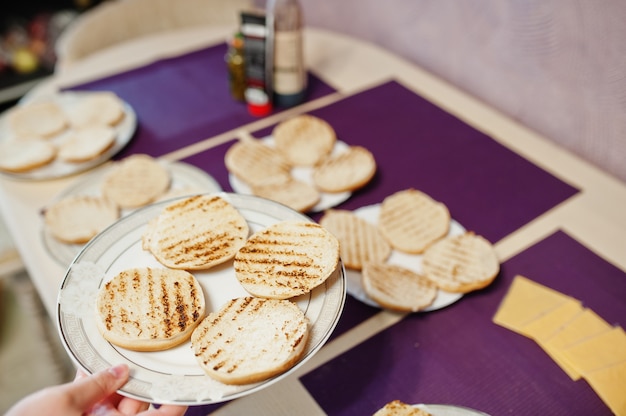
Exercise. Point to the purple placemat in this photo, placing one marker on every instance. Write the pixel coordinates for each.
(487, 187)
(458, 356)
(182, 100)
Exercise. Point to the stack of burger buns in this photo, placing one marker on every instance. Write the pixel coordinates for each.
(247, 339)
(304, 141)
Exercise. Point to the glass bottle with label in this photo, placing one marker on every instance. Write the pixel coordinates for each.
(289, 80)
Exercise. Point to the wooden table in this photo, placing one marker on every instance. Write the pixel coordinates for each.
(576, 207)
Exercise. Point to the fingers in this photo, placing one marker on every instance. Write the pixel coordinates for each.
(170, 410)
(87, 391)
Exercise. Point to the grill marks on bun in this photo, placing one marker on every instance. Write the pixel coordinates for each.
(146, 309)
(286, 259)
(462, 263)
(411, 220)
(250, 339)
(196, 233)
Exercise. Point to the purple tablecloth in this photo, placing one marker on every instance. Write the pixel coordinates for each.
(458, 356)
(182, 100)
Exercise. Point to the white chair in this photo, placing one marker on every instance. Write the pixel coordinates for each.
(114, 21)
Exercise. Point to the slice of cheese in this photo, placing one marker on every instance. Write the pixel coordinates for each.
(585, 325)
(597, 352)
(610, 383)
(544, 327)
(526, 301)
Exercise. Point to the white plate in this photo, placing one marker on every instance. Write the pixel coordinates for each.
(58, 168)
(304, 174)
(173, 376)
(449, 410)
(183, 176)
(409, 261)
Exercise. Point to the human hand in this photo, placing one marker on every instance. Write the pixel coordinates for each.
(90, 394)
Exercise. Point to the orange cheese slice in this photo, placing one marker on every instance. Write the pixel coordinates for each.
(526, 301)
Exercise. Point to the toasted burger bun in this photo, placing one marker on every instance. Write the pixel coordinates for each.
(304, 140)
(23, 155)
(397, 288)
(461, 264)
(286, 259)
(256, 164)
(411, 220)
(196, 233)
(250, 339)
(399, 408)
(148, 309)
(76, 219)
(43, 119)
(360, 241)
(347, 171)
(297, 195)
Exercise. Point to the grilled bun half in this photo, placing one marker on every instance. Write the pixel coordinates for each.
(250, 339)
(286, 259)
(196, 233)
(146, 309)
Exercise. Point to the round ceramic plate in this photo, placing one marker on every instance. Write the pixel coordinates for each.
(124, 130)
(185, 178)
(409, 261)
(449, 410)
(174, 376)
(304, 174)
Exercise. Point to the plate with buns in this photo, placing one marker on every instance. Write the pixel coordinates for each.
(301, 164)
(110, 192)
(412, 262)
(63, 134)
(225, 320)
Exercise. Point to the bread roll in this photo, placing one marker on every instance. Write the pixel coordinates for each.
(250, 340)
(136, 181)
(398, 408)
(196, 233)
(23, 155)
(304, 140)
(101, 108)
(461, 263)
(86, 144)
(397, 288)
(296, 194)
(286, 259)
(410, 220)
(146, 309)
(347, 171)
(360, 241)
(256, 164)
(42, 119)
(77, 219)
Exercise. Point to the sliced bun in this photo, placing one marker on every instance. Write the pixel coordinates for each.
(86, 144)
(196, 233)
(410, 220)
(101, 108)
(297, 195)
(76, 219)
(304, 140)
(461, 263)
(148, 309)
(250, 340)
(42, 119)
(397, 288)
(360, 241)
(22, 155)
(136, 181)
(256, 164)
(286, 259)
(399, 408)
(347, 171)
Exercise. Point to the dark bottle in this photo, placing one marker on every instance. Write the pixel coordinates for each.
(289, 79)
